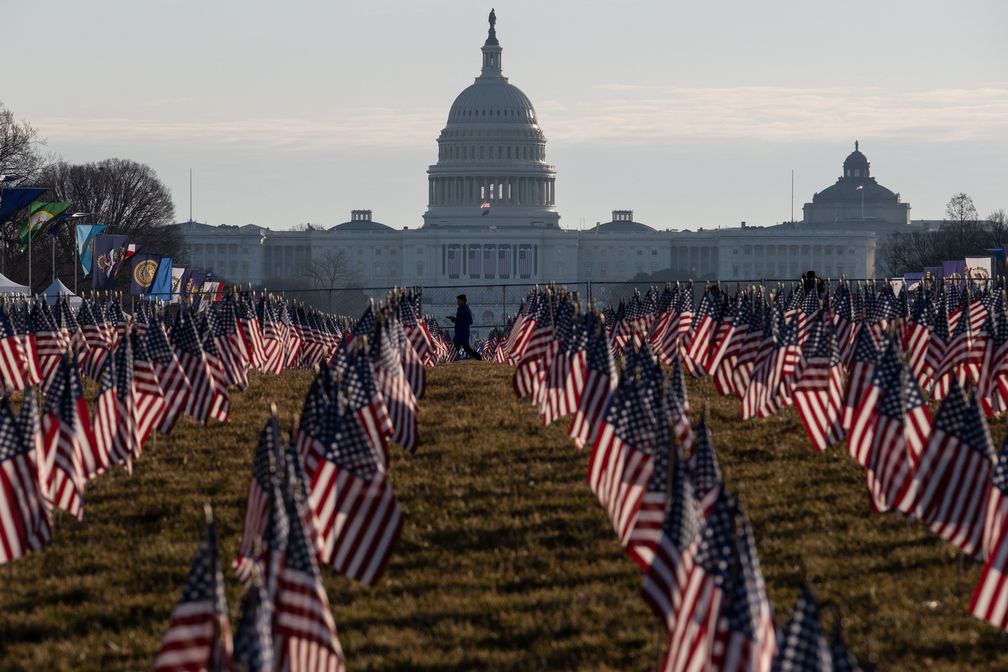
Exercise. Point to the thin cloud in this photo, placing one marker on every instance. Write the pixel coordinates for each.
(616, 113)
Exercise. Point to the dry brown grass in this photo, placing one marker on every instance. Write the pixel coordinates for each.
(506, 561)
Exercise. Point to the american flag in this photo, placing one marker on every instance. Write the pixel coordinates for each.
(395, 389)
(818, 392)
(621, 464)
(530, 373)
(199, 632)
(725, 621)
(149, 405)
(704, 467)
(368, 404)
(171, 376)
(679, 409)
(701, 334)
(266, 478)
(67, 438)
(645, 531)
(208, 397)
(600, 381)
(127, 442)
(253, 641)
(990, 597)
(558, 394)
(862, 370)
(106, 421)
(303, 624)
(12, 363)
(358, 514)
(916, 336)
(25, 521)
(21, 319)
(672, 561)
(230, 347)
(273, 337)
(890, 430)
(803, 643)
(955, 467)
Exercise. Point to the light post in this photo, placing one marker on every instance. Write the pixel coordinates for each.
(76, 215)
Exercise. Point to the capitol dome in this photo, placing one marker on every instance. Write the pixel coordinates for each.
(491, 151)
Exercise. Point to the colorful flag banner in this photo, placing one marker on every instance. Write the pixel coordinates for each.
(145, 269)
(109, 257)
(176, 287)
(41, 216)
(85, 236)
(979, 268)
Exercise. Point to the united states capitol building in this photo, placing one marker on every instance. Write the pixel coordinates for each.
(493, 218)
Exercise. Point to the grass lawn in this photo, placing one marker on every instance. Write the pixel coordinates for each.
(506, 561)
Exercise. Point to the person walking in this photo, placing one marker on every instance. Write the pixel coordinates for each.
(463, 320)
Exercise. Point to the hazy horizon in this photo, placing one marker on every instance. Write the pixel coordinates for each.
(691, 116)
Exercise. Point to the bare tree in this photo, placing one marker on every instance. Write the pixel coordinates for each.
(331, 269)
(20, 146)
(960, 210)
(961, 235)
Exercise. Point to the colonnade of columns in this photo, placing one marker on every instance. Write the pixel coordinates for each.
(506, 190)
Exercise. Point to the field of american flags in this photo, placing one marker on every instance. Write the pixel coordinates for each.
(506, 560)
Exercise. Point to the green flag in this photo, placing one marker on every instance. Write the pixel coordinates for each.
(40, 216)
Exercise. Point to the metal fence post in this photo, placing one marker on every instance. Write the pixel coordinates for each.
(503, 315)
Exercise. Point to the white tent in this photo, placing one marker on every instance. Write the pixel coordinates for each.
(8, 286)
(56, 290)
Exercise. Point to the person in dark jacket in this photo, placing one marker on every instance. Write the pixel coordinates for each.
(463, 320)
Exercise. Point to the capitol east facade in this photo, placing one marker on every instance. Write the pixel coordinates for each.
(493, 218)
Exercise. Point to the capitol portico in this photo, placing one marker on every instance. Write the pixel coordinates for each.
(492, 218)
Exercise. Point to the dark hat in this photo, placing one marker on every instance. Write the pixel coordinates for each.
(462, 297)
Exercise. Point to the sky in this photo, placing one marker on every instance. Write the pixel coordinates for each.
(690, 114)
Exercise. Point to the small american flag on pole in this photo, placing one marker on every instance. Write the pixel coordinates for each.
(199, 633)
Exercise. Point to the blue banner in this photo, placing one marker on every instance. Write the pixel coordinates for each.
(85, 236)
(109, 257)
(13, 199)
(145, 268)
(161, 288)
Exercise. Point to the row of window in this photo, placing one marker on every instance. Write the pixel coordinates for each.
(785, 250)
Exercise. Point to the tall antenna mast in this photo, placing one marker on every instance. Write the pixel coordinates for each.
(190, 195)
(792, 195)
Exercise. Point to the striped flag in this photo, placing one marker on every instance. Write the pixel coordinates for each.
(954, 472)
(990, 597)
(358, 514)
(303, 622)
(672, 562)
(25, 521)
(199, 632)
(68, 441)
(265, 481)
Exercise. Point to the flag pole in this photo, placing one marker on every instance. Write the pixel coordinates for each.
(29, 252)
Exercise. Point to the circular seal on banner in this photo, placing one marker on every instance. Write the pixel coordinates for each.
(979, 274)
(144, 272)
